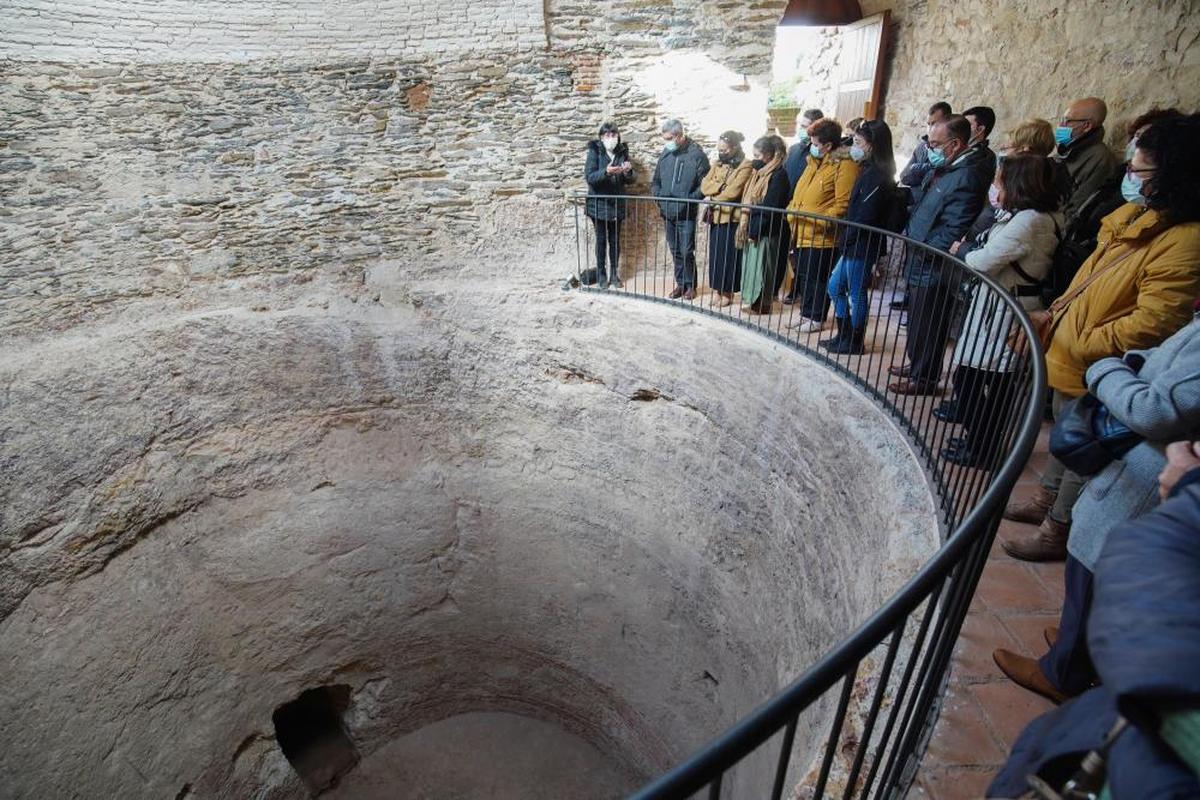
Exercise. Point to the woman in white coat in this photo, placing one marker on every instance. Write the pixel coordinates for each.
(1016, 252)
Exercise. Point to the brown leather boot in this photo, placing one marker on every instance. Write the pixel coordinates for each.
(1026, 673)
(1033, 510)
(1047, 543)
(1050, 635)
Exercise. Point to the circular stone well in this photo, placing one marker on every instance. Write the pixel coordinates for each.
(572, 535)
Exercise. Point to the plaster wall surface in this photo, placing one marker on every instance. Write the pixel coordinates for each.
(626, 521)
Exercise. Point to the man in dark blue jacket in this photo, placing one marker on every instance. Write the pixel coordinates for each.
(946, 204)
(680, 169)
(1144, 635)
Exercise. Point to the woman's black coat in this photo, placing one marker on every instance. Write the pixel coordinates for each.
(601, 183)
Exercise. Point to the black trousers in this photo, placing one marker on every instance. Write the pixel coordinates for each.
(608, 241)
(930, 309)
(986, 401)
(814, 265)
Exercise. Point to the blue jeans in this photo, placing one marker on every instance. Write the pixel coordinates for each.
(848, 288)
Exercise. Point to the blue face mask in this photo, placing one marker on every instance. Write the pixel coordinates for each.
(814, 151)
(1131, 189)
(1063, 134)
(672, 146)
(857, 153)
(936, 157)
(804, 138)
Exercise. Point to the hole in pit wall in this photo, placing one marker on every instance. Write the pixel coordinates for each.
(310, 732)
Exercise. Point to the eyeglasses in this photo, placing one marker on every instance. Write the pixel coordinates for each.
(1129, 170)
(1069, 120)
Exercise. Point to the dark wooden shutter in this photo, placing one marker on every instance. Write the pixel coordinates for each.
(860, 84)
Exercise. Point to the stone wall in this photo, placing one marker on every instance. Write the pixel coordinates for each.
(1031, 57)
(440, 135)
(157, 31)
(309, 143)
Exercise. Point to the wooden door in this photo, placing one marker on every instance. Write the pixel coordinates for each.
(860, 80)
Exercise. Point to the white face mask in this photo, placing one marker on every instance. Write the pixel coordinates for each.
(610, 143)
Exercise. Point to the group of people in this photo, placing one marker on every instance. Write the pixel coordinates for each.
(1102, 252)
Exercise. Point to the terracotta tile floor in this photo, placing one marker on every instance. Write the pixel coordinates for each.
(984, 711)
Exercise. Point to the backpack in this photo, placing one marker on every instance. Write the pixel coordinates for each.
(589, 277)
(1078, 240)
(897, 214)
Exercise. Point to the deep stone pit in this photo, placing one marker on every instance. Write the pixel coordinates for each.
(614, 527)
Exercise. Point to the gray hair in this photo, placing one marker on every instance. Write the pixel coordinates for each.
(673, 126)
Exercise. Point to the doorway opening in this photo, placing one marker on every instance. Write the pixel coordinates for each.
(827, 58)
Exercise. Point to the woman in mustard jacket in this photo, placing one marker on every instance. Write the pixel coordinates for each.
(824, 189)
(1134, 291)
(724, 183)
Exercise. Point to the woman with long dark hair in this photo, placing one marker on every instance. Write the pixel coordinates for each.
(608, 172)
(870, 204)
(1134, 291)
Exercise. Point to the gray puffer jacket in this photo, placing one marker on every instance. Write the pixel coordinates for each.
(1160, 401)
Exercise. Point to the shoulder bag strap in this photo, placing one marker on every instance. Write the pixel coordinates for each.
(1060, 305)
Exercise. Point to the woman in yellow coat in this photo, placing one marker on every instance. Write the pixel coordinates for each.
(824, 189)
(1134, 291)
(724, 183)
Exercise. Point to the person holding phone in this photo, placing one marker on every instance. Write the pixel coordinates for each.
(607, 172)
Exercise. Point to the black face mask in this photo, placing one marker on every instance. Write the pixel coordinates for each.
(758, 163)
(728, 158)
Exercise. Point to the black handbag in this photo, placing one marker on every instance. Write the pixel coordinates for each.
(1086, 438)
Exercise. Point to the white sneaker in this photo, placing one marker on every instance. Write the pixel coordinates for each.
(806, 325)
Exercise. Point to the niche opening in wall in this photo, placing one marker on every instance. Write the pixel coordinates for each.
(310, 733)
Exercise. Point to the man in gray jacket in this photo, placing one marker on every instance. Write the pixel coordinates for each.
(1081, 147)
(680, 169)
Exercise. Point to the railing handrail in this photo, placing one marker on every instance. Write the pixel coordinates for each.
(578, 199)
(756, 727)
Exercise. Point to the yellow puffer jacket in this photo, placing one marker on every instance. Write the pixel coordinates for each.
(1137, 304)
(724, 183)
(824, 188)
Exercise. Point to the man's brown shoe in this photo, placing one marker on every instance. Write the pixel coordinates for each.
(1033, 510)
(1026, 673)
(1050, 635)
(1047, 543)
(689, 293)
(901, 371)
(914, 387)
(676, 293)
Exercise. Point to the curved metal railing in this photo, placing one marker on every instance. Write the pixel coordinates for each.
(902, 652)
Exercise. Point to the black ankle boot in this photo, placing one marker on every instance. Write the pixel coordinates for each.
(853, 343)
(843, 334)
